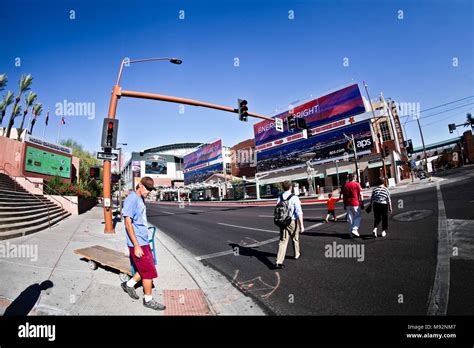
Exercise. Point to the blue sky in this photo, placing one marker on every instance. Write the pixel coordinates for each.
(281, 60)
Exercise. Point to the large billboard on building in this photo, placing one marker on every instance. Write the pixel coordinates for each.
(326, 147)
(46, 162)
(201, 164)
(335, 106)
(327, 118)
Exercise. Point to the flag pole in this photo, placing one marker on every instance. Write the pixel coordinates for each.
(59, 129)
(45, 121)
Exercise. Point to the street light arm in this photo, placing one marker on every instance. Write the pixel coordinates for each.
(172, 60)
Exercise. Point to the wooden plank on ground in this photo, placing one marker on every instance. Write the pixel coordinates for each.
(106, 257)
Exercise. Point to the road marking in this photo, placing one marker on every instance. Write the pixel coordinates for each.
(231, 251)
(322, 223)
(166, 212)
(247, 228)
(195, 211)
(439, 294)
(265, 216)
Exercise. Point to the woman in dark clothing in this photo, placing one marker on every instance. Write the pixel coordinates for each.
(381, 204)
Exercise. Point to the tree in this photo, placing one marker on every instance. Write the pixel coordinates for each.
(3, 81)
(4, 104)
(87, 159)
(30, 99)
(469, 120)
(24, 85)
(37, 110)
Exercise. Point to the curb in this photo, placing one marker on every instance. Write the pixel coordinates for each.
(222, 296)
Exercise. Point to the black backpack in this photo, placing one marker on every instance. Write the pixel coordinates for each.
(281, 214)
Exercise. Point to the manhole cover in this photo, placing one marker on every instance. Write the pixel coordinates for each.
(412, 215)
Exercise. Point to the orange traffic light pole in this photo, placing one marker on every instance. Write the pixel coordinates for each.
(117, 92)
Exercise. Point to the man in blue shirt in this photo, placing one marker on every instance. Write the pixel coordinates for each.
(134, 211)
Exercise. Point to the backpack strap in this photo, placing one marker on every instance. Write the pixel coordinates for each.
(289, 197)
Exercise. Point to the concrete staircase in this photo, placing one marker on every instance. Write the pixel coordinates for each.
(22, 213)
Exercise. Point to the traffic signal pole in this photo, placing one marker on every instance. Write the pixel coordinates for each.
(106, 181)
(117, 93)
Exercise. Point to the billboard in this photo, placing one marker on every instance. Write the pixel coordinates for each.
(327, 146)
(202, 163)
(335, 106)
(156, 165)
(328, 118)
(47, 163)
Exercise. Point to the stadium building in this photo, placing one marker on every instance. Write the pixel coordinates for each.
(162, 163)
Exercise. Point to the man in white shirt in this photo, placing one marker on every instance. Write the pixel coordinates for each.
(294, 229)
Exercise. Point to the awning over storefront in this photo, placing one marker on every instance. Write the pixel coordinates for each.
(294, 177)
(378, 164)
(334, 172)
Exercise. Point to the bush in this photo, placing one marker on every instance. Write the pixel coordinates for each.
(87, 190)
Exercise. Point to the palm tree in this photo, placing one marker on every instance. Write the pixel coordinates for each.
(15, 112)
(37, 110)
(7, 100)
(30, 99)
(3, 81)
(25, 83)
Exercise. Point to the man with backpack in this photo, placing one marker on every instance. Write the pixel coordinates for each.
(288, 216)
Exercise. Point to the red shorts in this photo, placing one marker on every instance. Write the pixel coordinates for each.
(144, 265)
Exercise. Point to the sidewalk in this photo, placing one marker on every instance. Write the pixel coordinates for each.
(184, 284)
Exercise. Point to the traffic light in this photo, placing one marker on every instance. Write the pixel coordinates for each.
(301, 124)
(291, 121)
(116, 178)
(94, 172)
(452, 127)
(243, 110)
(109, 133)
(408, 146)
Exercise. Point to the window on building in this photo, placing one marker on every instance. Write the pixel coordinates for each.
(228, 168)
(385, 131)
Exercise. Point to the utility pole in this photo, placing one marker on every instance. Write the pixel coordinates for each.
(383, 159)
(355, 158)
(423, 142)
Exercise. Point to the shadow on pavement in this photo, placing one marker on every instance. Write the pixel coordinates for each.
(25, 302)
(262, 256)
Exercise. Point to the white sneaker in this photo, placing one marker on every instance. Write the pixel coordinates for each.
(375, 232)
(384, 233)
(355, 233)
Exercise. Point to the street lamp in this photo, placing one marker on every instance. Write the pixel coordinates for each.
(117, 93)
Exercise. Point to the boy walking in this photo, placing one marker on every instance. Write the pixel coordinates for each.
(134, 211)
(331, 208)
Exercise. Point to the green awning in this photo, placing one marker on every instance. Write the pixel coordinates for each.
(378, 164)
(333, 171)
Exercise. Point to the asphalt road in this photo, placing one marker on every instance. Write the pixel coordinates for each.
(394, 275)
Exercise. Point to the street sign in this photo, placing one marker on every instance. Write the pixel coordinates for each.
(108, 156)
(279, 124)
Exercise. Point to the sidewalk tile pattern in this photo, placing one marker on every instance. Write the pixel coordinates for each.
(185, 302)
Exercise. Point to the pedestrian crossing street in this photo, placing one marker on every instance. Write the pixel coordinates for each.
(461, 236)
